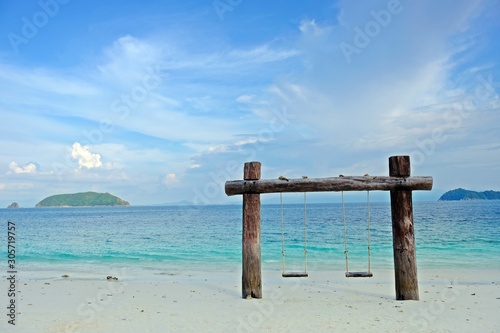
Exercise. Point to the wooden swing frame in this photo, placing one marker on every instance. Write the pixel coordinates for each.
(399, 183)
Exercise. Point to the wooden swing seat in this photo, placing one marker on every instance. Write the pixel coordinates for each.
(358, 274)
(295, 275)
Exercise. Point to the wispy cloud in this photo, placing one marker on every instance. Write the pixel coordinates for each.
(127, 59)
(284, 96)
(245, 98)
(384, 81)
(28, 168)
(44, 80)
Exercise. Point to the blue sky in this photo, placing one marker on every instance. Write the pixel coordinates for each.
(162, 101)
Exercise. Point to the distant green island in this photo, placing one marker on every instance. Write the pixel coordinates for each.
(461, 194)
(84, 199)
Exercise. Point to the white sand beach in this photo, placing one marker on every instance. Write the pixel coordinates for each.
(198, 301)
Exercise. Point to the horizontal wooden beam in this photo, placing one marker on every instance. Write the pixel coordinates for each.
(335, 184)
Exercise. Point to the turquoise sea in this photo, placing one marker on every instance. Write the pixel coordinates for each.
(175, 238)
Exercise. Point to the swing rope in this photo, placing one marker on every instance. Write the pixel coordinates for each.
(282, 234)
(346, 251)
(369, 248)
(305, 233)
(284, 273)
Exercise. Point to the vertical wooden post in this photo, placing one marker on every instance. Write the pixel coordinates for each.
(251, 275)
(403, 236)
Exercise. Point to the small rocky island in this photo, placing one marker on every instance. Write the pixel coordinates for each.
(84, 199)
(461, 194)
(13, 205)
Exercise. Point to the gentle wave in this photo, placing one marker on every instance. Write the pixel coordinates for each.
(448, 235)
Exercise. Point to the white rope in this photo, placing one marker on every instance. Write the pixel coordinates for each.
(369, 248)
(345, 233)
(346, 252)
(305, 234)
(282, 234)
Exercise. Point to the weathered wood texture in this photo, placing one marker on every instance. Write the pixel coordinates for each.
(252, 170)
(251, 254)
(403, 236)
(358, 274)
(399, 183)
(294, 274)
(366, 183)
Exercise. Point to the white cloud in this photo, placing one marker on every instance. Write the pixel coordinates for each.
(127, 59)
(85, 158)
(171, 180)
(248, 141)
(261, 54)
(356, 101)
(29, 168)
(245, 98)
(284, 97)
(312, 28)
(217, 148)
(44, 81)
